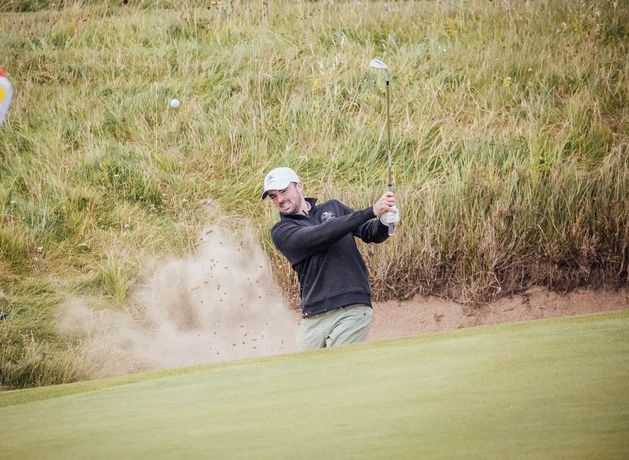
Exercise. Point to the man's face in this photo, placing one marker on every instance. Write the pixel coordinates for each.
(288, 200)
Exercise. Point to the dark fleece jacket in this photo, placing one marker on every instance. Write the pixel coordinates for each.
(322, 250)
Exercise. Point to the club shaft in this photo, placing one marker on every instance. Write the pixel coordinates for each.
(389, 160)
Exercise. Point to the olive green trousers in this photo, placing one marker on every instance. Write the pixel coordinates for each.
(344, 325)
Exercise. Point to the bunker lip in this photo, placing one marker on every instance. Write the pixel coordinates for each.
(421, 315)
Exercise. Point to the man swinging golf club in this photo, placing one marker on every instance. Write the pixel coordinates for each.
(318, 241)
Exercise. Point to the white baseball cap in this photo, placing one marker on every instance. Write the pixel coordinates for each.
(279, 179)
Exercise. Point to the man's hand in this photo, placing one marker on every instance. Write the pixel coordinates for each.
(385, 204)
(390, 217)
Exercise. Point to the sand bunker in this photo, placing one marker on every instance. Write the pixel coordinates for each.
(219, 304)
(222, 304)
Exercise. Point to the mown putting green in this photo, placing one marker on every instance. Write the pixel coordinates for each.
(547, 389)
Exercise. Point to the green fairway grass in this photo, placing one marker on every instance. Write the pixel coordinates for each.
(556, 388)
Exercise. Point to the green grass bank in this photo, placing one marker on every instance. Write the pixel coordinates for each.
(509, 126)
(545, 389)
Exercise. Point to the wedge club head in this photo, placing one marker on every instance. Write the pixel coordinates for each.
(378, 64)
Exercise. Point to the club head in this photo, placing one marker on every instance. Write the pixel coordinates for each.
(378, 64)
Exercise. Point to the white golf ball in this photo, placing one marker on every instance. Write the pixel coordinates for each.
(174, 103)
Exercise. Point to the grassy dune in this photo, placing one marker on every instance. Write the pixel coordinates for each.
(546, 389)
(509, 129)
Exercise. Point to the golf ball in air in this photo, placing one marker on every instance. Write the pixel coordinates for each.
(174, 103)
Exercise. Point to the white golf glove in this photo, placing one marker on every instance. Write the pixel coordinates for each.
(390, 217)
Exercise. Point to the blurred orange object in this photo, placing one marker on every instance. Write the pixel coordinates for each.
(6, 93)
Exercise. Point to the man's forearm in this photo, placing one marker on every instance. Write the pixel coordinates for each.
(298, 241)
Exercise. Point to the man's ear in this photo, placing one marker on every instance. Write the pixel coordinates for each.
(300, 187)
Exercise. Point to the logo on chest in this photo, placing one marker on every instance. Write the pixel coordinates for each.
(327, 215)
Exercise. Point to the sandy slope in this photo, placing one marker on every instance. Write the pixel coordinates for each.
(428, 314)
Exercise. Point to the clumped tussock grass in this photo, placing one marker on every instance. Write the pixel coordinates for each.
(509, 126)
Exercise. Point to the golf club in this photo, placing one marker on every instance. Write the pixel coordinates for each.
(378, 64)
